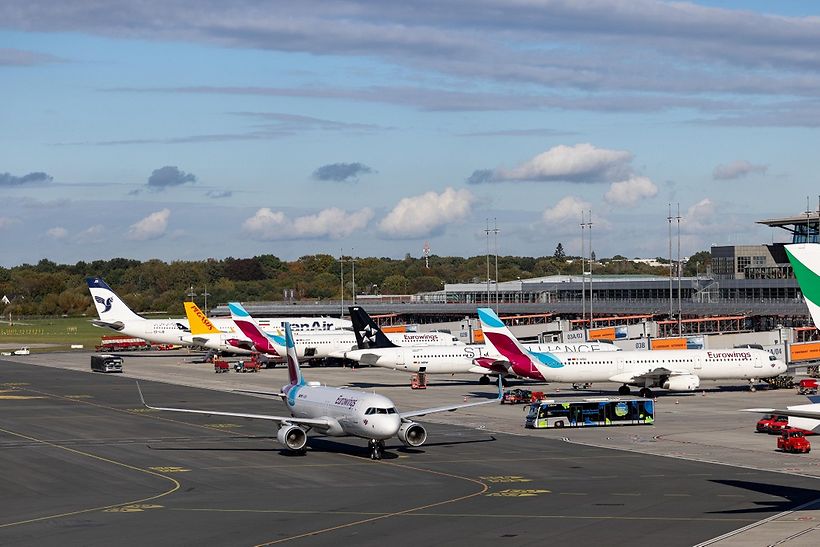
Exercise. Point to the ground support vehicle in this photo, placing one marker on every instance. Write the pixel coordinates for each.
(122, 343)
(599, 411)
(418, 381)
(777, 424)
(794, 441)
(221, 366)
(106, 363)
(247, 366)
(807, 386)
(517, 396)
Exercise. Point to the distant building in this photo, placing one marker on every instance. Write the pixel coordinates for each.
(765, 261)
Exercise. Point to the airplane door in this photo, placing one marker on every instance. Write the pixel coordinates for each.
(401, 357)
(698, 362)
(620, 364)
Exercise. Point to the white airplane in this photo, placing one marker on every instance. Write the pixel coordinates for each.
(321, 345)
(116, 315)
(336, 412)
(376, 349)
(675, 370)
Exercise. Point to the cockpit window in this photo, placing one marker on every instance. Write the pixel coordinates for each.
(390, 410)
(772, 358)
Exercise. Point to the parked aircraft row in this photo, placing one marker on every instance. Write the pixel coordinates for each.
(439, 353)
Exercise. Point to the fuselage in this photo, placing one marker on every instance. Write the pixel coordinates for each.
(623, 365)
(453, 359)
(310, 345)
(349, 411)
(177, 331)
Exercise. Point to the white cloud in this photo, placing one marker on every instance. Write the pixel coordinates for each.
(151, 227)
(58, 232)
(427, 214)
(737, 169)
(92, 234)
(631, 191)
(580, 163)
(567, 211)
(5, 222)
(701, 218)
(331, 223)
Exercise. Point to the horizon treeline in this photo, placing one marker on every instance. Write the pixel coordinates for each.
(49, 289)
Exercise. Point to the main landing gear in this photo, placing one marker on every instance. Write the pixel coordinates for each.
(644, 392)
(376, 449)
(484, 380)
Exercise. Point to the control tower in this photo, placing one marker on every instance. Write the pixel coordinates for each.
(804, 228)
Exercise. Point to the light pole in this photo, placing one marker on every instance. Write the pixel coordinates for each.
(206, 294)
(342, 280)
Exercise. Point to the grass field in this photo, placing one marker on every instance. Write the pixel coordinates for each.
(60, 331)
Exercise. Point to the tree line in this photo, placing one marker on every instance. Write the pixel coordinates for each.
(50, 289)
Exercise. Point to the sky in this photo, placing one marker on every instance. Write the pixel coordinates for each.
(188, 129)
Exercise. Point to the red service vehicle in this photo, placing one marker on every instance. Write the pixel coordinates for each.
(772, 424)
(122, 343)
(793, 440)
(247, 366)
(517, 397)
(807, 386)
(221, 366)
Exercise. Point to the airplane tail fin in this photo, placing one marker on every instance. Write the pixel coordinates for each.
(805, 259)
(500, 340)
(198, 321)
(110, 307)
(368, 333)
(250, 328)
(294, 372)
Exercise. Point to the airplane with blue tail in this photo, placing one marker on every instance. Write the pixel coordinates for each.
(335, 412)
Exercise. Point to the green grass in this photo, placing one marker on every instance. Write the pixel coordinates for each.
(62, 331)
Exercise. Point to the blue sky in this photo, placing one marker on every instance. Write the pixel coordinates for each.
(183, 129)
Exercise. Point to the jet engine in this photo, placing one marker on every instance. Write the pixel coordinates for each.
(292, 436)
(412, 434)
(683, 382)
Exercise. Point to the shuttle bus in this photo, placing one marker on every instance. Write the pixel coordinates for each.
(600, 411)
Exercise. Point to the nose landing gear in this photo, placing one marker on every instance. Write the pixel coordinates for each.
(376, 449)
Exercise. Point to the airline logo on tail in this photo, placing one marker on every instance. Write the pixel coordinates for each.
(250, 328)
(105, 302)
(199, 322)
(294, 372)
(500, 337)
(805, 259)
(368, 333)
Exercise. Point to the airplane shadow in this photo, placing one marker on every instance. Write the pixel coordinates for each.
(317, 444)
(791, 496)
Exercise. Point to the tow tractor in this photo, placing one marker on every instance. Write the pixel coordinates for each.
(794, 441)
(807, 386)
(247, 366)
(418, 381)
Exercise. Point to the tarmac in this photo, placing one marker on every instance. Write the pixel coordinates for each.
(85, 464)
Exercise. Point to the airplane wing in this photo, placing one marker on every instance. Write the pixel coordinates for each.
(369, 358)
(451, 408)
(492, 365)
(653, 374)
(796, 412)
(278, 419)
(268, 393)
(116, 325)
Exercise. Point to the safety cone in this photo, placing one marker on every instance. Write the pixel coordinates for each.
(465, 398)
